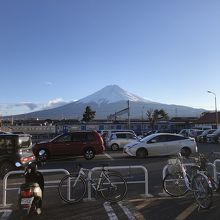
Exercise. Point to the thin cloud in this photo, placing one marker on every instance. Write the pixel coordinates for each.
(48, 83)
(29, 105)
(55, 103)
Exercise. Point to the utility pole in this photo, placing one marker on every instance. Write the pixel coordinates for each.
(128, 115)
(216, 111)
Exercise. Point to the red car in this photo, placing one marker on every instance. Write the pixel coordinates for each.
(86, 143)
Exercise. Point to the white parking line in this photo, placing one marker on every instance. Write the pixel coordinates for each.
(127, 211)
(107, 155)
(110, 211)
(6, 214)
(183, 215)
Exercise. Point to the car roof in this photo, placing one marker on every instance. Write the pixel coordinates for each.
(122, 132)
(160, 134)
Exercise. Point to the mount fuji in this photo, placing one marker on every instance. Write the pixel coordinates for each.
(109, 100)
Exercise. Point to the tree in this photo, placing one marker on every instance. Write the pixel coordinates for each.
(155, 115)
(88, 115)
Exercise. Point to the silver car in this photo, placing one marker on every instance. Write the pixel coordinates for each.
(161, 144)
(118, 140)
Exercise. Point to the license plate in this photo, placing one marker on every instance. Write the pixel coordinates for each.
(27, 201)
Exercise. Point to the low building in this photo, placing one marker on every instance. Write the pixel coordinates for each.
(207, 120)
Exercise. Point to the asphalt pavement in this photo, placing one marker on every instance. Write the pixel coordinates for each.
(137, 205)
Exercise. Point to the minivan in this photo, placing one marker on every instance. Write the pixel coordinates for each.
(14, 148)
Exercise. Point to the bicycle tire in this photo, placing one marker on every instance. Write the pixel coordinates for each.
(113, 189)
(77, 189)
(174, 185)
(202, 191)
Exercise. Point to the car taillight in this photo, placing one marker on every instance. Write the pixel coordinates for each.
(27, 193)
(27, 159)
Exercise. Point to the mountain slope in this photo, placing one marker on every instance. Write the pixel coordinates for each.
(109, 100)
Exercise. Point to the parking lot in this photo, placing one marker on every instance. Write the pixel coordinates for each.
(137, 205)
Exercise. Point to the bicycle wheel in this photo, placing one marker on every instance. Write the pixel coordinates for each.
(113, 188)
(72, 189)
(202, 191)
(174, 184)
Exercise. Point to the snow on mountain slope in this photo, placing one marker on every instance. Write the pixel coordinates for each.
(109, 100)
(111, 94)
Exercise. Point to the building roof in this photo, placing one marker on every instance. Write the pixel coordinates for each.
(208, 118)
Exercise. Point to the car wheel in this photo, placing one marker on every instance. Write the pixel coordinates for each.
(115, 147)
(141, 153)
(89, 154)
(185, 151)
(5, 167)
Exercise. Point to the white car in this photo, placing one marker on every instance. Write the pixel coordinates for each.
(119, 139)
(161, 144)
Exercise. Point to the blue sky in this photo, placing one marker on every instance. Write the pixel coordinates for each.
(54, 51)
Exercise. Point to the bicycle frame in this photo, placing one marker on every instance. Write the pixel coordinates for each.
(95, 185)
(186, 180)
(183, 169)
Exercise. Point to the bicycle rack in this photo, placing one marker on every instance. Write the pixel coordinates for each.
(5, 179)
(128, 182)
(164, 174)
(213, 165)
(215, 170)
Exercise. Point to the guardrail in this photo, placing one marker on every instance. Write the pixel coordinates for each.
(119, 168)
(5, 179)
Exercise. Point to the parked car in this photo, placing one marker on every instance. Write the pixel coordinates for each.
(119, 139)
(213, 138)
(106, 134)
(14, 148)
(161, 144)
(86, 143)
(190, 132)
(202, 137)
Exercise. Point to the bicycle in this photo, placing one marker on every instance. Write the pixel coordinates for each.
(203, 161)
(178, 182)
(111, 185)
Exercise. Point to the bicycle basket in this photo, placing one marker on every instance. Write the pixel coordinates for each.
(173, 166)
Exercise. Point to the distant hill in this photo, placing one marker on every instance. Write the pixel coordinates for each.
(109, 100)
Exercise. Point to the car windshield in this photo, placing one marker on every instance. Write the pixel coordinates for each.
(24, 142)
(147, 138)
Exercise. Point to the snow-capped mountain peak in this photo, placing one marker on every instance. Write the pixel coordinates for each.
(111, 94)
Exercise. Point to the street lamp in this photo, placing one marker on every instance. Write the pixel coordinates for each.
(216, 112)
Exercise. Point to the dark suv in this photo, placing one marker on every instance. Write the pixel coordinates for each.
(14, 148)
(86, 143)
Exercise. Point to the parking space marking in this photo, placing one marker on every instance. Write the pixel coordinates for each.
(6, 214)
(183, 215)
(126, 211)
(107, 155)
(110, 211)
